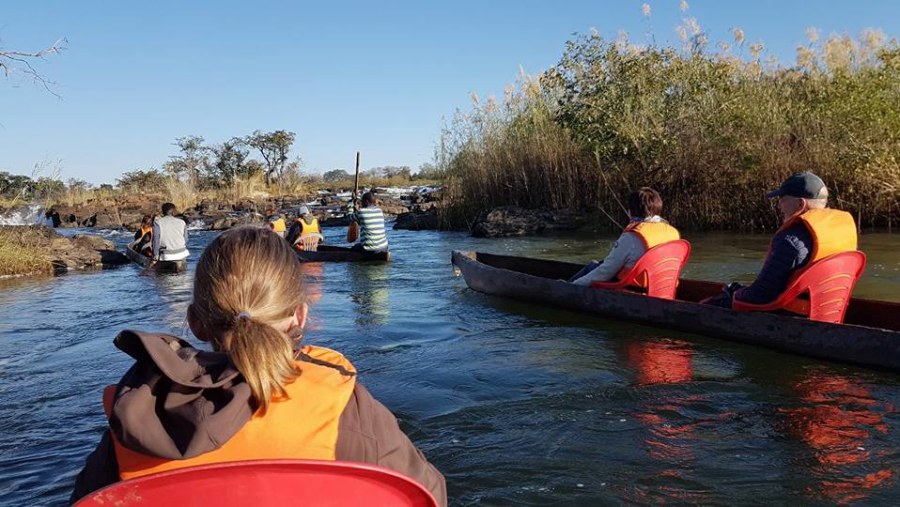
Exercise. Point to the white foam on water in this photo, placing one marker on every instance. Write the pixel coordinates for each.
(197, 225)
(33, 214)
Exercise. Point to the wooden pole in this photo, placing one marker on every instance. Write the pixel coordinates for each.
(353, 228)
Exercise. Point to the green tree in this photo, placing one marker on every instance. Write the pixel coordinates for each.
(142, 181)
(229, 161)
(192, 159)
(428, 171)
(335, 175)
(46, 187)
(15, 185)
(274, 148)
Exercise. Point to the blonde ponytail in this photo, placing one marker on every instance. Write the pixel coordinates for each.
(264, 356)
(248, 279)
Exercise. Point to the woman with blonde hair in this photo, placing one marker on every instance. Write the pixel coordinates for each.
(257, 395)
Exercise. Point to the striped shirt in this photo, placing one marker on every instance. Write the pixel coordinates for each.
(372, 235)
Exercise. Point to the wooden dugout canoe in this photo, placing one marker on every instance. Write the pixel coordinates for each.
(161, 266)
(870, 334)
(329, 253)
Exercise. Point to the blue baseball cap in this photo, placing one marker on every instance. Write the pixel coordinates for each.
(806, 185)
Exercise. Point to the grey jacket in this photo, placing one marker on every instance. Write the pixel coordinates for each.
(170, 238)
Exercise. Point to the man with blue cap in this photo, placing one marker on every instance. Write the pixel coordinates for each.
(810, 231)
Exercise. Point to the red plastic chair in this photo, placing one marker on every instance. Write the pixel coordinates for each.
(821, 291)
(269, 482)
(657, 271)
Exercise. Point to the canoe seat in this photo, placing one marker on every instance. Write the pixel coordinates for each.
(656, 272)
(310, 242)
(821, 292)
(265, 483)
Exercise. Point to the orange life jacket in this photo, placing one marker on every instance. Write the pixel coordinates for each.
(148, 246)
(651, 234)
(833, 231)
(305, 228)
(304, 425)
(278, 225)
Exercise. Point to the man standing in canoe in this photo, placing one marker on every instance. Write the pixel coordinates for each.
(305, 224)
(170, 236)
(810, 231)
(646, 230)
(372, 234)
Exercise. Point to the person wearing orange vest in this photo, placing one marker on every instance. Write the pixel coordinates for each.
(143, 238)
(258, 394)
(645, 231)
(810, 231)
(276, 222)
(305, 224)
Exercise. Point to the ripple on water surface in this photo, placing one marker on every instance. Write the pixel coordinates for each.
(515, 403)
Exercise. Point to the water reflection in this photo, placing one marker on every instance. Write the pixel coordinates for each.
(369, 292)
(677, 424)
(174, 291)
(839, 422)
(660, 362)
(313, 286)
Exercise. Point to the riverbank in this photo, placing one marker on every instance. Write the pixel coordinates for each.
(215, 213)
(39, 251)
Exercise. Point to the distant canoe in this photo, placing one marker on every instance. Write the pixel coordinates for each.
(161, 266)
(329, 253)
(870, 334)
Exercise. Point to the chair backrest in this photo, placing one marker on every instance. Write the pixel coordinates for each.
(828, 283)
(657, 270)
(267, 483)
(310, 241)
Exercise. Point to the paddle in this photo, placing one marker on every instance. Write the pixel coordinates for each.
(353, 229)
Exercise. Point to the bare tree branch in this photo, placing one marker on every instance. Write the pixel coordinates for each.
(12, 62)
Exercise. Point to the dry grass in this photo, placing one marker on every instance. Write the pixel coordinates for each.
(21, 254)
(182, 193)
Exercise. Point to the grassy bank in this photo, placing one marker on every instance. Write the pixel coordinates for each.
(711, 130)
(21, 253)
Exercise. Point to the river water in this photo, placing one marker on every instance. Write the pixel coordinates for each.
(515, 403)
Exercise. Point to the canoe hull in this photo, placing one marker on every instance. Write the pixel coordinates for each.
(538, 281)
(161, 266)
(329, 253)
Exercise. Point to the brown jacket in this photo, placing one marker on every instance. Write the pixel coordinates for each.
(367, 431)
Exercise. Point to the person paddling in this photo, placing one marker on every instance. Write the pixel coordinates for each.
(646, 230)
(809, 231)
(372, 234)
(258, 394)
(170, 236)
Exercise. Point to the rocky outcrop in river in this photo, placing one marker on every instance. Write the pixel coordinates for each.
(82, 251)
(508, 221)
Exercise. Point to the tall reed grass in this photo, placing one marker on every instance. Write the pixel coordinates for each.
(712, 131)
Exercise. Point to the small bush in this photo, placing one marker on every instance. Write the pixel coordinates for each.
(21, 254)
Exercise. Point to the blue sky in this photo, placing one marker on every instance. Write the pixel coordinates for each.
(378, 77)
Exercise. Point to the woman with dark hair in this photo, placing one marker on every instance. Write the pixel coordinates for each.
(645, 230)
